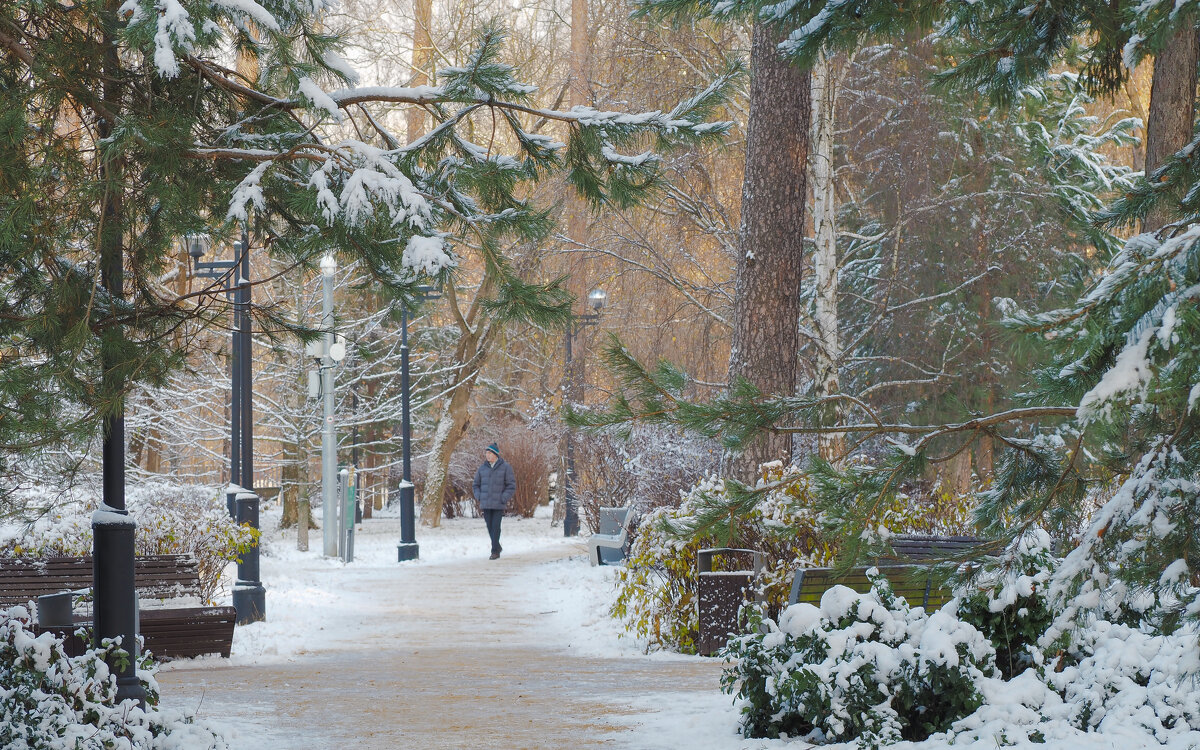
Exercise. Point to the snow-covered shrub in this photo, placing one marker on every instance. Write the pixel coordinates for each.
(656, 594)
(1007, 601)
(657, 588)
(1115, 679)
(171, 519)
(52, 701)
(656, 597)
(860, 666)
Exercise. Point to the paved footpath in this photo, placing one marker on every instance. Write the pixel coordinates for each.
(449, 654)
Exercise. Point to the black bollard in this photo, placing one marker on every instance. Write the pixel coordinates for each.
(249, 596)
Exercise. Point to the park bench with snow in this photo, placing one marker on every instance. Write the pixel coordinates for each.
(908, 571)
(167, 632)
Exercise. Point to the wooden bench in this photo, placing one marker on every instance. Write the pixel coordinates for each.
(179, 632)
(913, 548)
(907, 570)
(23, 580)
(913, 582)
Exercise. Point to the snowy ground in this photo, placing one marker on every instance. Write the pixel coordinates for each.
(456, 651)
(453, 650)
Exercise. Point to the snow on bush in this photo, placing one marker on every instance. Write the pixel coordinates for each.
(656, 596)
(171, 519)
(1007, 601)
(991, 667)
(52, 701)
(860, 666)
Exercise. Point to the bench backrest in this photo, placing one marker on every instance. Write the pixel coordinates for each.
(613, 520)
(155, 576)
(913, 582)
(917, 548)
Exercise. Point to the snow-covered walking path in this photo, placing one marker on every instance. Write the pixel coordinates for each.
(452, 651)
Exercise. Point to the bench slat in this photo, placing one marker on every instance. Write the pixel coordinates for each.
(179, 633)
(156, 576)
(912, 582)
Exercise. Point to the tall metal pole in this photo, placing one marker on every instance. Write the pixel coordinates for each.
(328, 437)
(571, 518)
(247, 379)
(408, 549)
(249, 596)
(235, 387)
(115, 611)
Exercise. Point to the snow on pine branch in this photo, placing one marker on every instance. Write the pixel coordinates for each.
(427, 255)
(368, 179)
(179, 24)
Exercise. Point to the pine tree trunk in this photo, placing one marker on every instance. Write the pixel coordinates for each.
(767, 291)
(422, 62)
(825, 257)
(452, 426)
(579, 89)
(1172, 108)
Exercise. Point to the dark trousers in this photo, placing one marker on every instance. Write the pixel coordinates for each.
(492, 519)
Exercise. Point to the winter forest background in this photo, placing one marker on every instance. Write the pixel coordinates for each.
(869, 269)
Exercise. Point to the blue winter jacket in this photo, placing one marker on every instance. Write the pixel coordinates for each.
(494, 485)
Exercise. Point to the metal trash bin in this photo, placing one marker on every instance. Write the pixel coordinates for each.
(56, 610)
(720, 595)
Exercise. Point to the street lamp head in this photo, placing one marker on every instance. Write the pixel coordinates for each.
(596, 298)
(328, 265)
(197, 245)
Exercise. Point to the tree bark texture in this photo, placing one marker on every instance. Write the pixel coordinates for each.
(579, 90)
(422, 63)
(1172, 108)
(825, 257)
(767, 288)
(477, 334)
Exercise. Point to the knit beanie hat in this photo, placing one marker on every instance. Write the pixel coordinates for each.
(494, 449)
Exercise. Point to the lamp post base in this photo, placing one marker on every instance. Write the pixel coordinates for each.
(249, 596)
(250, 601)
(406, 551)
(115, 609)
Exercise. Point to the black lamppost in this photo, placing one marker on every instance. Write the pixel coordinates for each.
(224, 272)
(408, 549)
(596, 299)
(249, 596)
(115, 593)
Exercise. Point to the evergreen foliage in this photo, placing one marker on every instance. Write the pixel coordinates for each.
(1008, 44)
(1110, 420)
(125, 128)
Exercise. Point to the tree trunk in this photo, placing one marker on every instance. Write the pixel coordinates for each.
(476, 336)
(422, 62)
(825, 257)
(452, 426)
(289, 481)
(767, 291)
(1172, 109)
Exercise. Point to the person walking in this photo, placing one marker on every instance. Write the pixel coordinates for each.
(495, 484)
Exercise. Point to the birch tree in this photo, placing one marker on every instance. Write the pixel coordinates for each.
(825, 85)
